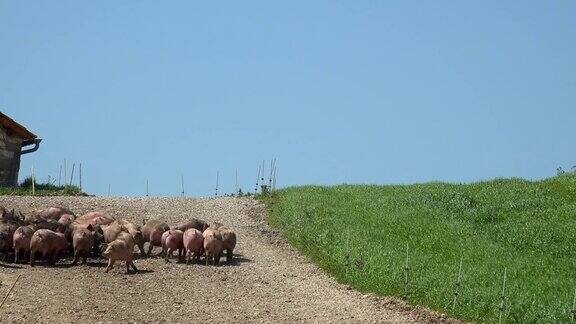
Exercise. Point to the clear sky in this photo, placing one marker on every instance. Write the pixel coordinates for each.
(337, 91)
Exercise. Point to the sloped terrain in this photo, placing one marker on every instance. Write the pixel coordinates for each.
(267, 282)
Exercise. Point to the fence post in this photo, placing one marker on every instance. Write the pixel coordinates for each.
(33, 182)
(182, 181)
(574, 308)
(257, 179)
(407, 271)
(72, 174)
(502, 297)
(217, 176)
(347, 253)
(236, 183)
(458, 283)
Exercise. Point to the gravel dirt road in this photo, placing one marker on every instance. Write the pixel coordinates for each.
(268, 281)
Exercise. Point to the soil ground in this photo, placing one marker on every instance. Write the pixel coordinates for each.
(268, 281)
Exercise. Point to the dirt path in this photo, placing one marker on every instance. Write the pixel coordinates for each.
(268, 282)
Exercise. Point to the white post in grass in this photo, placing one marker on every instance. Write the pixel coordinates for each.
(574, 308)
(108, 190)
(80, 176)
(147, 192)
(347, 253)
(407, 270)
(60, 175)
(458, 283)
(65, 172)
(502, 298)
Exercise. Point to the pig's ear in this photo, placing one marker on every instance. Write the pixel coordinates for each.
(90, 228)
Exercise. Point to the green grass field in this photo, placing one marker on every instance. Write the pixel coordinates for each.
(41, 189)
(527, 227)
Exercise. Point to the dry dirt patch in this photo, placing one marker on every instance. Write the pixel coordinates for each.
(268, 281)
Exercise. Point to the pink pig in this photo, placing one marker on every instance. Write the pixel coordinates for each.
(193, 244)
(48, 243)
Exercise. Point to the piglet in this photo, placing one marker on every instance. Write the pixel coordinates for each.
(228, 241)
(48, 243)
(172, 240)
(21, 242)
(152, 232)
(212, 245)
(121, 248)
(193, 244)
(83, 243)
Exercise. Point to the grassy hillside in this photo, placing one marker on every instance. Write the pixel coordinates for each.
(40, 189)
(527, 227)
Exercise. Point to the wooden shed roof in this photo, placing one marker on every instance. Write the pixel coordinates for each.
(15, 129)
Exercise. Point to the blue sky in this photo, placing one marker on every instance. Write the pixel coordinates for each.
(337, 91)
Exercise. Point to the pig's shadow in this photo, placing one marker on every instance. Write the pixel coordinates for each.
(94, 264)
(9, 266)
(140, 272)
(235, 262)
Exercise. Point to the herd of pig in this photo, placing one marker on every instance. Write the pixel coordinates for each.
(55, 231)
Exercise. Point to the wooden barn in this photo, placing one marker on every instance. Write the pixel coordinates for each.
(14, 140)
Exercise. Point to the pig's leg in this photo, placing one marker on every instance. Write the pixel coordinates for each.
(16, 255)
(229, 255)
(53, 258)
(110, 264)
(133, 266)
(217, 258)
(32, 254)
(168, 254)
(150, 247)
(76, 258)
